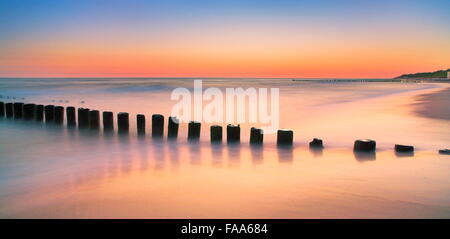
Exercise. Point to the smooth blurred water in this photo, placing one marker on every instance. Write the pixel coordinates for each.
(54, 171)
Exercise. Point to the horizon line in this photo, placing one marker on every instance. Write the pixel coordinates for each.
(189, 77)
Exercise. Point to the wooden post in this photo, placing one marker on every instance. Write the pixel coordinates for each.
(2, 109)
(108, 122)
(285, 137)
(94, 119)
(194, 130)
(364, 145)
(233, 133)
(216, 133)
(39, 114)
(316, 143)
(444, 151)
(59, 114)
(157, 125)
(140, 122)
(256, 136)
(70, 113)
(83, 117)
(172, 128)
(49, 113)
(404, 148)
(123, 122)
(9, 110)
(18, 110)
(28, 111)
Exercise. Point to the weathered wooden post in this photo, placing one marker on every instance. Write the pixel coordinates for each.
(216, 133)
(233, 133)
(172, 128)
(39, 114)
(364, 145)
(28, 111)
(18, 110)
(157, 125)
(2, 109)
(256, 136)
(71, 118)
(140, 123)
(123, 124)
(94, 119)
(194, 130)
(83, 117)
(316, 143)
(404, 148)
(108, 122)
(59, 114)
(285, 137)
(49, 111)
(9, 110)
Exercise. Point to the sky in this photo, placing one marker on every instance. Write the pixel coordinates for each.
(232, 38)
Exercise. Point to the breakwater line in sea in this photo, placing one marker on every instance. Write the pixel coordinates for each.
(90, 119)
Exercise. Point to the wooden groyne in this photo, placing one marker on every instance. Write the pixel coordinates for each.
(123, 124)
(49, 113)
(108, 123)
(256, 136)
(140, 124)
(233, 133)
(215, 134)
(194, 130)
(71, 119)
(172, 128)
(90, 119)
(157, 126)
(94, 119)
(28, 111)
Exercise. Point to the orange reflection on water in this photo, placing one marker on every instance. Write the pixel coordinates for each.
(214, 183)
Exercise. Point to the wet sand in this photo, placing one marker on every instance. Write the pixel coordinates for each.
(434, 105)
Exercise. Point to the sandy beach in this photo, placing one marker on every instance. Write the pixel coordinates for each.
(74, 173)
(434, 105)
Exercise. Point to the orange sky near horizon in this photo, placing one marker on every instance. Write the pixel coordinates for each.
(301, 58)
(247, 46)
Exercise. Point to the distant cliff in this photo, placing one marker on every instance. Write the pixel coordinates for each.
(425, 75)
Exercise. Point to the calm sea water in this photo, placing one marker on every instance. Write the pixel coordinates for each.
(53, 171)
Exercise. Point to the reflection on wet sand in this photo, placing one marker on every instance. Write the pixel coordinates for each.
(365, 156)
(233, 154)
(172, 147)
(195, 155)
(116, 180)
(159, 153)
(285, 154)
(404, 154)
(217, 154)
(257, 152)
(316, 152)
(142, 152)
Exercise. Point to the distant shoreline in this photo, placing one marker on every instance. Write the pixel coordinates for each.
(435, 75)
(405, 80)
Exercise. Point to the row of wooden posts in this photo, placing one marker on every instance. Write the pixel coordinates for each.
(87, 118)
